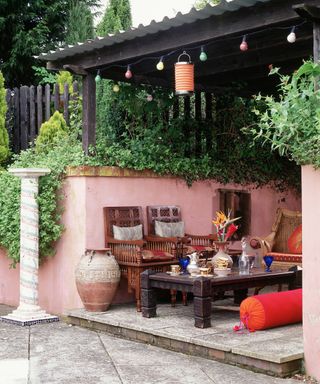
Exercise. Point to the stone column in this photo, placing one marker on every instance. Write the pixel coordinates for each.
(29, 311)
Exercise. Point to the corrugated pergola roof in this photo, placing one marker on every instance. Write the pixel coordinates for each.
(152, 28)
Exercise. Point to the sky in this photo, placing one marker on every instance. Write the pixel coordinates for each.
(143, 11)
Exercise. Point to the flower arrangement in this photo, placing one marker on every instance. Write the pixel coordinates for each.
(225, 225)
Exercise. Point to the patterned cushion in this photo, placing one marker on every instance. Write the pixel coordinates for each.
(128, 233)
(288, 257)
(295, 241)
(198, 248)
(155, 255)
(164, 229)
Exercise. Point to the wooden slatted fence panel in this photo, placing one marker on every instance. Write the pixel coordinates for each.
(29, 107)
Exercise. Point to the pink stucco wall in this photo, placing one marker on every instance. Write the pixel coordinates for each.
(311, 268)
(83, 220)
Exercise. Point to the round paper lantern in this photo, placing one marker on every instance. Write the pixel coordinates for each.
(184, 76)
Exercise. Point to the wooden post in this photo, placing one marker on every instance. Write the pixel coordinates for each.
(316, 41)
(16, 127)
(39, 107)
(89, 112)
(47, 101)
(66, 102)
(32, 131)
(24, 117)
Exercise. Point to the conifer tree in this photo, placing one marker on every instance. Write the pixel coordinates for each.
(116, 17)
(80, 23)
(4, 138)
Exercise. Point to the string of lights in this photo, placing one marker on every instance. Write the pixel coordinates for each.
(160, 61)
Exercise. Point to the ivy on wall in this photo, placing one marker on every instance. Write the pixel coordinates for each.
(142, 134)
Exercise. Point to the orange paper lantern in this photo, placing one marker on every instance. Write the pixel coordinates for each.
(184, 76)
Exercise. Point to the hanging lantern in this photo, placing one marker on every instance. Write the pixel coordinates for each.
(184, 76)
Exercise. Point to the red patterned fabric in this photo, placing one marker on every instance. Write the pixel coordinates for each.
(295, 241)
(271, 310)
(289, 257)
(155, 255)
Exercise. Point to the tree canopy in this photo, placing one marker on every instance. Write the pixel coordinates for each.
(28, 28)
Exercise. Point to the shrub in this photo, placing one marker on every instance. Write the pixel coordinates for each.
(51, 132)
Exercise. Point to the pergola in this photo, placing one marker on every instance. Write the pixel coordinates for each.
(219, 29)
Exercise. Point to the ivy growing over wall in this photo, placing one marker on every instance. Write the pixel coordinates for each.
(142, 134)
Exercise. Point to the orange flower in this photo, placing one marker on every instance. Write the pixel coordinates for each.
(220, 220)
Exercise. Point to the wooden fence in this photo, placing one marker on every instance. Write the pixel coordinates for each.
(29, 107)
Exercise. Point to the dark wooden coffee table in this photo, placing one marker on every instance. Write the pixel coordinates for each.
(204, 289)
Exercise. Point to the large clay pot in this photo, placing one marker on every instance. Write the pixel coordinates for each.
(97, 278)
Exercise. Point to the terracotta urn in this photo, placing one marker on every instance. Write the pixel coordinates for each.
(97, 278)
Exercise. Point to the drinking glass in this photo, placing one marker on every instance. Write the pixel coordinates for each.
(268, 261)
(251, 262)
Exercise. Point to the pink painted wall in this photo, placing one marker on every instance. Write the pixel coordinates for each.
(83, 220)
(311, 268)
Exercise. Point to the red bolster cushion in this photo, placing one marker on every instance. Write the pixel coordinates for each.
(271, 310)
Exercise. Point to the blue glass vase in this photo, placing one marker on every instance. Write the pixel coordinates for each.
(184, 262)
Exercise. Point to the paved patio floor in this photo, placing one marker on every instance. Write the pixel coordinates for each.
(277, 351)
(58, 353)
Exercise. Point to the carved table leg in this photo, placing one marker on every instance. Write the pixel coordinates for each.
(173, 294)
(148, 295)
(240, 295)
(202, 302)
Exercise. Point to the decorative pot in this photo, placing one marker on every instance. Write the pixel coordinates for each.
(97, 278)
(221, 254)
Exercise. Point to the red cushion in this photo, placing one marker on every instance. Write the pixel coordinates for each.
(156, 255)
(295, 240)
(272, 309)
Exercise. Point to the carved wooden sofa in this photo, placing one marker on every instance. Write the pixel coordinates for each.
(135, 256)
(186, 243)
(276, 243)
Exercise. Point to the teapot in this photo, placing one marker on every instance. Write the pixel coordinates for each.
(193, 267)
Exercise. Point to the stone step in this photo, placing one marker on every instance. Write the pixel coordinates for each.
(276, 352)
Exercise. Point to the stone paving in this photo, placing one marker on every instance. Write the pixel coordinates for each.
(59, 353)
